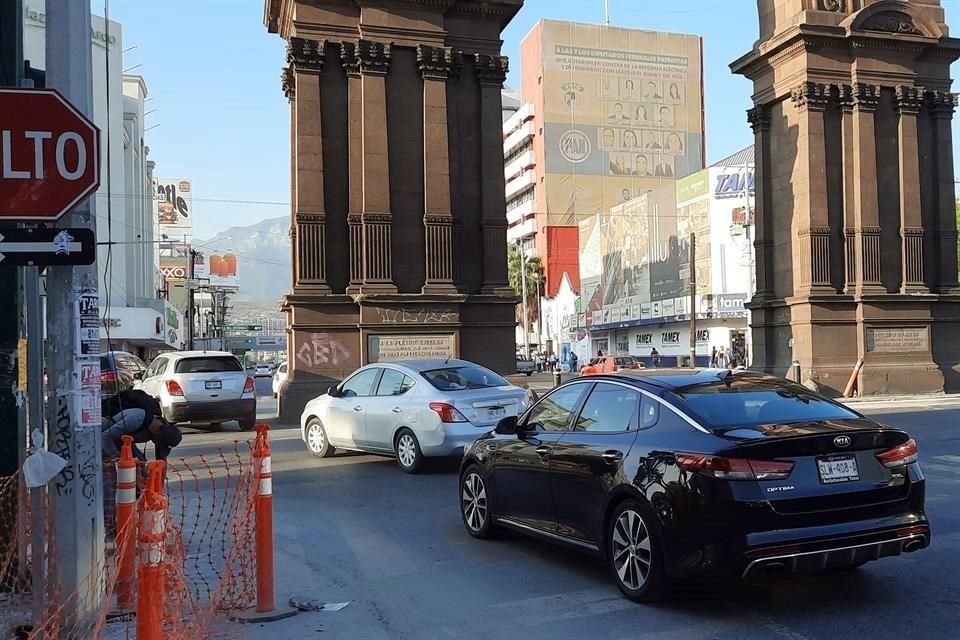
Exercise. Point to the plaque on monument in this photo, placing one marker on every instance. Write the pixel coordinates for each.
(897, 339)
(386, 348)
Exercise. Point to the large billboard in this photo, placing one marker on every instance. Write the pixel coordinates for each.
(216, 268)
(623, 113)
(173, 207)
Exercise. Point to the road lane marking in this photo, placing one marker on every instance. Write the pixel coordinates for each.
(948, 458)
(940, 467)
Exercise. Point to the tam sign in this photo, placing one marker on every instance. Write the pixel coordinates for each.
(49, 155)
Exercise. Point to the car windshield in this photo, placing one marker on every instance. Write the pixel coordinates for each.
(735, 402)
(208, 364)
(463, 377)
(594, 361)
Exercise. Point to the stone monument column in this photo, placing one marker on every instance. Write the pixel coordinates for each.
(374, 59)
(305, 59)
(855, 169)
(435, 65)
(909, 100)
(351, 68)
(491, 71)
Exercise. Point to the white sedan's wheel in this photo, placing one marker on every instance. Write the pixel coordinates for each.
(317, 443)
(408, 451)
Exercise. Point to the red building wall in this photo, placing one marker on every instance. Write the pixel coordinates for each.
(563, 256)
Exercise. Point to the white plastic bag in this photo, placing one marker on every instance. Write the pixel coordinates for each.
(41, 466)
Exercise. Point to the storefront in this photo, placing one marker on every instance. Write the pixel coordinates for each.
(142, 331)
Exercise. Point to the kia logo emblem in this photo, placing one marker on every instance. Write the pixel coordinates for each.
(842, 441)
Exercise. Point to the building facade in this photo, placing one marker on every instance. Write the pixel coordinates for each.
(636, 263)
(613, 113)
(398, 225)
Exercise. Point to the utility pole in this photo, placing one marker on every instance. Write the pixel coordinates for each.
(73, 316)
(693, 300)
(191, 288)
(523, 295)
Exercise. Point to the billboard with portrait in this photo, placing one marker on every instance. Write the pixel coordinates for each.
(173, 207)
(623, 113)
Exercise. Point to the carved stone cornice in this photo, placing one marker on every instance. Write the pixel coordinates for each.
(374, 57)
(810, 95)
(377, 218)
(759, 118)
(438, 220)
(869, 231)
(434, 62)
(845, 97)
(305, 55)
(456, 65)
(896, 22)
(311, 218)
(941, 103)
(348, 58)
(491, 71)
(912, 231)
(814, 231)
(288, 83)
(909, 99)
(866, 97)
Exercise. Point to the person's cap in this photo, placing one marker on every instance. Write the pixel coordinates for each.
(170, 435)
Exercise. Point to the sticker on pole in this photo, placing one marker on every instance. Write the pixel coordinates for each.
(89, 375)
(90, 410)
(88, 325)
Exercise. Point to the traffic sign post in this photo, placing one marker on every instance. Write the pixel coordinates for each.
(41, 247)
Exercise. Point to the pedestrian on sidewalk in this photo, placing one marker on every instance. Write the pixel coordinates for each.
(723, 360)
(713, 358)
(553, 361)
(573, 362)
(655, 358)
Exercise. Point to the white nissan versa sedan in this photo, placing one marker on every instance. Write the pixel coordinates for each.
(411, 409)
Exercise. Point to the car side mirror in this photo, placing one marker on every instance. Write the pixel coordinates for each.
(506, 426)
(138, 375)
(333, 392)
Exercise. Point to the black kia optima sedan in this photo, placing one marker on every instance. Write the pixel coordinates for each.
(698, 473)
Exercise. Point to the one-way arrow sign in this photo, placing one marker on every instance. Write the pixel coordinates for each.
(46, 247)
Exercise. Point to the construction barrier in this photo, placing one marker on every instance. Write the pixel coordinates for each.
(181, 549)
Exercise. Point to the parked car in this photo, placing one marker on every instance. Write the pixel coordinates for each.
(525, 365)
(263, 370)
(202, 386)
(610, 364)
(279, 378)
(412, 409)
(119, 371)
(698, 473)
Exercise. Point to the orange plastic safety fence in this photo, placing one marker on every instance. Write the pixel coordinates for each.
(209, 566)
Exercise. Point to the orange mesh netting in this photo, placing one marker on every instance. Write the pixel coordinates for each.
(207, 554)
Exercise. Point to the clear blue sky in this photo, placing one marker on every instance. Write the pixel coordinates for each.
(213, 72)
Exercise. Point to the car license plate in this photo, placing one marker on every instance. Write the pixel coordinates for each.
(496, 412)
(839, 469)
(213, 384)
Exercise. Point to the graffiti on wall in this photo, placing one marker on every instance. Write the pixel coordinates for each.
(322, 350)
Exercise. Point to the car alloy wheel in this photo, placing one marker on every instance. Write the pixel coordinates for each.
(408, 451)
(317, 443)
(630, 547)
(473, 502)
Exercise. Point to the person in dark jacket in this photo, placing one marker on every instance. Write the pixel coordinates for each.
(137, 414)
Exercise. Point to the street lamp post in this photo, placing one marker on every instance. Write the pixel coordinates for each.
(523, 295)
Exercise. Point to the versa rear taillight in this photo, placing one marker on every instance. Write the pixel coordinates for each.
(447, 412)
(248, 386)
(899, 456)
(174, 388)
(108, 376)
(734, 468)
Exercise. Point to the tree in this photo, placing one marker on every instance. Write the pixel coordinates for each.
(534, 276)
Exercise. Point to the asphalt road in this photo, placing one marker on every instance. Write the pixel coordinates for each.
(355, 528)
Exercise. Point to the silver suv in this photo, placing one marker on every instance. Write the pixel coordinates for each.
(202, 386)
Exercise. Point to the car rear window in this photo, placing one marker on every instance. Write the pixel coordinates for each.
(753, 402)
(208, 364)
(463, 377)
(624, 362)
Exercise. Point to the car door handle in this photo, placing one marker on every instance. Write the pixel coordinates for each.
(358, 409)
(612, 456)
(542, 450)
(397, 410)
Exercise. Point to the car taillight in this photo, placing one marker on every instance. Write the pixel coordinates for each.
(248, 386)
(174, 388)
(447, 412)
(734, 468)
(108, 376)
(899, 456)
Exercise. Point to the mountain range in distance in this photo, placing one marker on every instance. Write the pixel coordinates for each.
(263, 258)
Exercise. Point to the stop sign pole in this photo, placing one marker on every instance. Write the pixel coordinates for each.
(73, 345)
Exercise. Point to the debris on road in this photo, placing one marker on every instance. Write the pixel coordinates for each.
(312, 604)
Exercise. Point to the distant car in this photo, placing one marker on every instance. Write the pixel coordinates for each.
(279, 378)
(610, 364)
(263, 370)
(412, 409)
(119, 371)
(671, 476)
(525, 365)
(202, 386)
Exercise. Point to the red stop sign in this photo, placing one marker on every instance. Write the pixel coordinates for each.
(49, 155)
